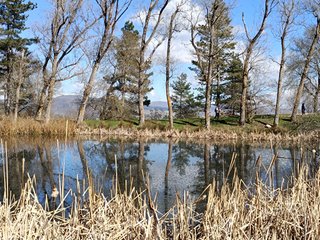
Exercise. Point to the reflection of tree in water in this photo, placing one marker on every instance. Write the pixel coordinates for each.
(15, 165)
(181, 153)
(46, 160)
(216, 162)
(131, 162)
(166, 176)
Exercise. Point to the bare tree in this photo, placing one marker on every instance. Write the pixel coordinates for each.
(58, 42)
(313, 7)
(145, 41)
(313, 84)
(252, 42)
(286, 11)
(20, 80)
(171, 29)
(111, 12)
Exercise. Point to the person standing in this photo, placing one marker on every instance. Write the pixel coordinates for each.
(217, 111)
(303, 109)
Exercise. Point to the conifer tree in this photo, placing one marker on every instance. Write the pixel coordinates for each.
(13, 16)
(231, 88)
(123, 83)
(212, 42)
(184, 104)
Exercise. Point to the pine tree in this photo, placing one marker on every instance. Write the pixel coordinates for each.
(213, 45)
(184, 104)
(121, 83)
(12, 23)
(124, 82)
(231, 88)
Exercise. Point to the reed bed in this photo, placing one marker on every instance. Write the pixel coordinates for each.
(31, 127)
(213, 134)
(235, 212)
(59, 127)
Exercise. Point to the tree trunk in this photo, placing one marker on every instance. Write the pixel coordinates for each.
(208, 104)
(49, 99)
(245, 84)
(218, 98)
(279, 91)
(20, 81)
(141, 109)
(170, 33)
(304, 73)
(86, 93)
(280, 77)
(122, 115)
(316, 96)
(42, 99)
(169, 103)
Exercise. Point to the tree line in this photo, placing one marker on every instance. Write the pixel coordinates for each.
(80, 40)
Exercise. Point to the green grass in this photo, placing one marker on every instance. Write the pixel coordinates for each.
(304, 123)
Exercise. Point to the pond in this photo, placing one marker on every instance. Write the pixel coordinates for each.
(172, 166)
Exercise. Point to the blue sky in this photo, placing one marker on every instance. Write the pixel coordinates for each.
(251, 8)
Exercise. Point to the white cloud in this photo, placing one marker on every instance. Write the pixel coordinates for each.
(181, 51)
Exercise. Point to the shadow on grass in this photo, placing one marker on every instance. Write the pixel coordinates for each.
(224, 122)
(131, 121)
(230, 121)
(286, 119)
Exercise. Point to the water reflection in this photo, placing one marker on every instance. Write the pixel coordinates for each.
(173, 167)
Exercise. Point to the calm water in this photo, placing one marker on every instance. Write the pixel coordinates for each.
(172, 166)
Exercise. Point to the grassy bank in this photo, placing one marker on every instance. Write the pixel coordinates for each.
(306, 128)
(237, 212)
(226, 128)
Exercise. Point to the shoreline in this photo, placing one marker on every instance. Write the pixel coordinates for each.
(63, 128)
(202, 135)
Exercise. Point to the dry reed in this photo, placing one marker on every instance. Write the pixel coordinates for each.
(213, 134)
(31, 127)
(234, 212)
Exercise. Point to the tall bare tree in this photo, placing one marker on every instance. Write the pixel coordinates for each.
(148, 33)
(251, 43)
(313, 7)
(20, 80)
(171, 30)
(111, 12)
(314, 82)
(286, 8)
(58, 43)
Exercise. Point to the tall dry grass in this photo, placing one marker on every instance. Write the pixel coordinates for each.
(235, 212)
(31, 127)
(201, 134)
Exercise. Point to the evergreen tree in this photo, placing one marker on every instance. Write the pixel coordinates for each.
(184, 104)
(231, 88)
(124, 81)
(12, 23)
(213, 44)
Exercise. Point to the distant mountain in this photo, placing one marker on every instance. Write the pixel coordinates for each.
(65, 106)
(157, 105)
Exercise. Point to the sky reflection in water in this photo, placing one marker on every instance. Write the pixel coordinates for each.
(173, 167)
